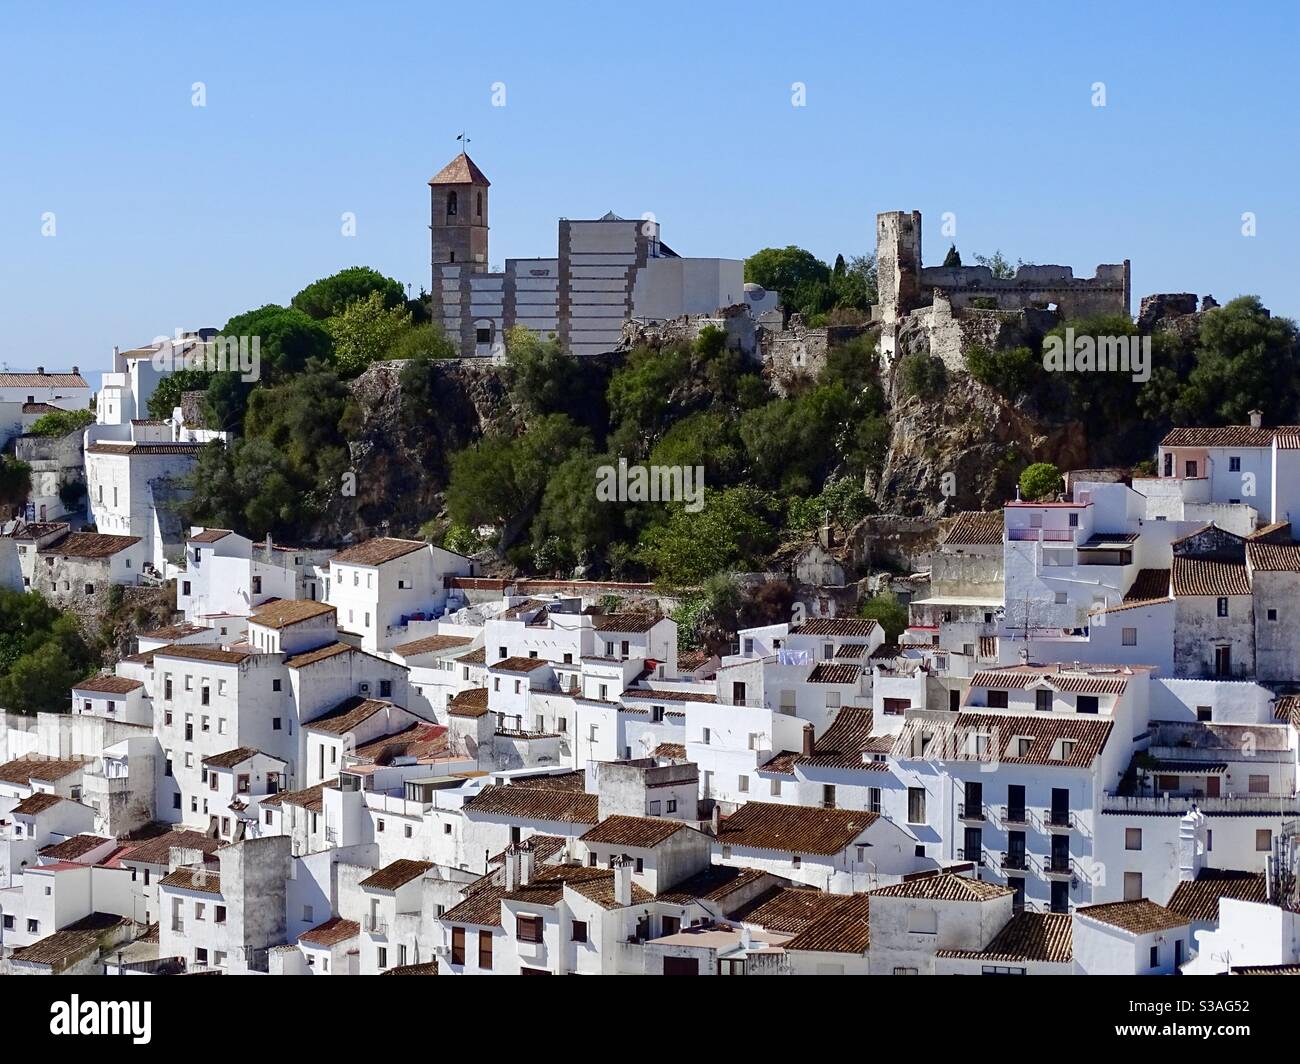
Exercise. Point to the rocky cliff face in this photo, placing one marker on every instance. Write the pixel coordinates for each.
(401, 459)
(964, 449)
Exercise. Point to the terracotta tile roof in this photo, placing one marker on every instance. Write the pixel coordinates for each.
(837, 626)
(600, 889)
(944, 886)
(36, 803)
(481, 907)
(419, 739)
(1287, 708)
(714, 883)
(89, 545)
(628, 623)
(1045, 732)
(1089, 680)
(1224, 436)
(636, 831)
(460, 171)
(432, 644)
(39, 408)
(788, 910)
(673, 750)
(109, 685)
(844, 929)
(157, 850)
(71, 849)
(285, 612)
(536, 803)
(1209, 576)
(396, 874)
(1198, 899)
(1028, 936)
(65, 948)
(656, 694)
(331, 932)
(427, 968)
(196, 652)
(311, 657)
(780, 764)
(472, 702)
(844, 742)
(518, 664)
(544, 848)
(39, 767)
(36, 529)
(231, 758)
(210, 535)
(793, 828)
(477, 656)
(145, 449)
(974, 528)
(829, 672)
(378, 551)
(309, 798)
(193, 879)
(1274, 557)
(347, 715)
(1267, 969)
(851, 650)
(42, 380)
(1140, 917)
(1147, 585)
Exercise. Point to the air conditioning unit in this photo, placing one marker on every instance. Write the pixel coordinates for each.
(363, 688)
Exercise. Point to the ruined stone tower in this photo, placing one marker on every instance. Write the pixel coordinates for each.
(898, 261)
(458, 217)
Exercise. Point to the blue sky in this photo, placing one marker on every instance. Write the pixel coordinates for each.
(169, 215)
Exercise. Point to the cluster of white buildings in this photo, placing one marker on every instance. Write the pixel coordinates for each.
(1080, 757)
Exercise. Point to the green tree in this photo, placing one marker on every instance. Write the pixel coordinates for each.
(166, 396)
(59, 423)
(42, 654)
(330, 295)
(288, 339)
(733, 530)
(953, 258)
(784, 269)
(1011, 372)
(1000, 264)
(922, 375)
(423, 341)
(640, 395)
(888, 612)
(1040, 480)
(15, 482)
(365, 330)
(578, 526)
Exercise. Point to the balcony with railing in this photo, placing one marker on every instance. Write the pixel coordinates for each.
(1057, 865)
(970, 811)
(375, 925)
(1014, 861)
(974, 854)
(1175, 805)
(1058, 820)
(1042, 535)
(1015, 816)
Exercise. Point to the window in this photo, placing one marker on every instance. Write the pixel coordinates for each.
(1234, 463)
(743, 784)
(1272, 615)
(528, 928)
(997, 700)
(1043, 701)
(1132, 838)
(923, 922)
(385, 688)
(916, 805)
(219, 914)
(1258, 785)
(33, 927)
(275, 685)
(579, 931)
(672, 805)
(382, 959)
(1223, 607)
(275, 723)
(873, 799)
(704, 736)
(1060, 598)
(896, 707)
(1087, 704)
(1155, 956)
(451, 203)
(1129, 637)
(1204, 713)
(457, 945)
(484, 950)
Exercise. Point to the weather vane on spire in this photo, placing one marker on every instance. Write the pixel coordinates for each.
(464, 141)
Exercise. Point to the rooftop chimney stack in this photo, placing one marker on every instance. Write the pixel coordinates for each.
(808, 741)
(511, 867)
(717, 820)
(622, 881)
(76, 371)
(40, 370)
(526, 862)
(1256, 418)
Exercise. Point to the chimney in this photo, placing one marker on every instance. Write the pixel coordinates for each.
(116, 350)
(511, 867)
(1256, 418)
(1191, 844)
(76, 371)
(526, 859)
(40, 370)
(623, 881)
(717, 820)
(269, 545)
(808, 740)
(746, 937)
